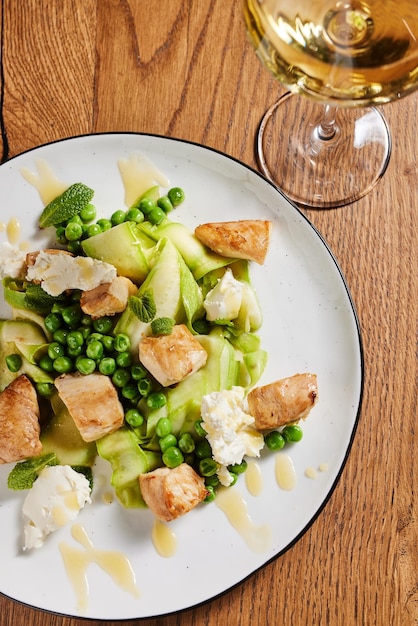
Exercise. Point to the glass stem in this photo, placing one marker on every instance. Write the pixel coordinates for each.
(327, 127)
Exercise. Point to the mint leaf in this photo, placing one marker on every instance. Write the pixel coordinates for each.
(65, 206)
(38, 300)
(162, 326)
(143, 307)
(24, 474)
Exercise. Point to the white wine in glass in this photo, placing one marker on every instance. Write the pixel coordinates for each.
(331, 148)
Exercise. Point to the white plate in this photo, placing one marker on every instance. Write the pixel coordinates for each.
(309, 325)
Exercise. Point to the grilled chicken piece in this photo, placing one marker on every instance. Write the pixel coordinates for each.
(109, 298)
(170, 358)
(170, 493)
(92, 402)
(284, 401)
(243, 239)
(19, 421)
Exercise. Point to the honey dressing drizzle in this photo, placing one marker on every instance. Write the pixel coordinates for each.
(257, 538)
(253, 478)
(76, 562)
(163, 538)
(138, 175)
(45, 181)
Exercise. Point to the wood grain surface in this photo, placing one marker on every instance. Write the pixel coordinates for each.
(184, 69)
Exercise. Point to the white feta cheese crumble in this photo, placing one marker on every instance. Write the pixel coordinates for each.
(12, 261)
(224, 300)
(57, 496)
(59, 271)
(230, 430)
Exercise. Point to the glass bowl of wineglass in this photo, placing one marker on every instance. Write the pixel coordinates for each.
(347, 56)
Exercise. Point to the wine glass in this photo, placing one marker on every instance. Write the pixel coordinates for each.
(347, 56)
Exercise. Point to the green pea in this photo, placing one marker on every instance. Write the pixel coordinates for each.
(58, 307)
(118, 217)
(207, 466)
(144, 386)
(95, 350)
(198, 426)
(124, 359)
(172, 457)
(45, 389)
(94, 337)
(156, 216)
(212, 481)
(107, 366)
(120, 377)
(86, 320)
(156, 400)
(292, 433)
(186, 443)
(52, 322)
(85, 365)
(55, 350)
(75, 352)
(73, 231)
(165, 204)
(72, 314)
(93, 229)
(169, 441)
(60, 336)
(88, 213)
(85, 331)
(130, 391)
(75, 219)
(104, 224)
(134, 215)
(274, 440)
(74, 339)
(146, 205)
(46, 363)
(203, 449)
(239, 468)
(60, 235)
(103, 325)
(211, 494)
(122, 342)
(138, 371)
(134, 418)
(74, 247)
(108, 342)
(14, 362)
(234, 479)
(63, 365)
(163, 427)
(176, 195)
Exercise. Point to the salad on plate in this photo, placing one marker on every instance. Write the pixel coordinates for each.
(134, 339)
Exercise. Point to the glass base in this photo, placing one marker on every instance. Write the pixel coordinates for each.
(322, 172)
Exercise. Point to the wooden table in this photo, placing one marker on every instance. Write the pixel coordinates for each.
(184, 69)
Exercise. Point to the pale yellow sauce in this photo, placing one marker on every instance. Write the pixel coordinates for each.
(254, 478)
(164, 539)
(77, 561)
(310, 472)
(285, 472)
(24, 246)
(13, 230)
(257, 538)
(139, 175)
(323, 467)
(45, 181)
(2, 227)
(108, 497)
